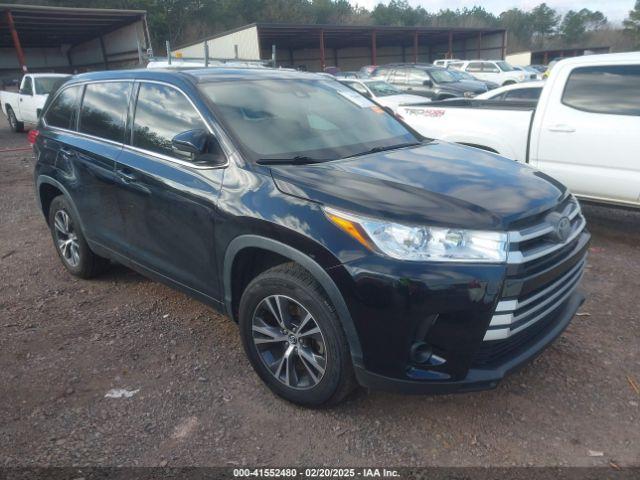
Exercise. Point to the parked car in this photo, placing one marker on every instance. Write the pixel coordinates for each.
(347, 75)
(444, 62)
(432, 82)
(539, 68)
(532, 73)
(383, 93)
(516, 91)
(366, 71)
(584, 131)
(497, 71)
(467, 77)
(348, 249)
(25, 106)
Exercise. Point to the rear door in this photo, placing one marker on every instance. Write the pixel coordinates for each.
(589, 132)
(169, 202)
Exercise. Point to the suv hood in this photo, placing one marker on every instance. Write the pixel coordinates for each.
(433, 184)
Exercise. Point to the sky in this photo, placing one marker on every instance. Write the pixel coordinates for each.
(614, 10)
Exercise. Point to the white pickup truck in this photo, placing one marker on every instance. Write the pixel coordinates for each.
(584, 130)
(25, 105)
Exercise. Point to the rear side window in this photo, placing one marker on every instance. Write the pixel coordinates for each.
(104, 110)
(62, 112)
(162, 112)
(613, 89)
(523, 94)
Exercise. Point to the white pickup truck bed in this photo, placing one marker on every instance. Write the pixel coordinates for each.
(499, 126)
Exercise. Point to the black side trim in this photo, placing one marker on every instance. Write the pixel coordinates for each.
(255, 241)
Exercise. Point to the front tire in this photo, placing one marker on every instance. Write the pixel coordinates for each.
(70, 243)
(294, 339)
(15, 125)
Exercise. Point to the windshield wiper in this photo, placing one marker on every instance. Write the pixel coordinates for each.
(385, 148)
(297, 160)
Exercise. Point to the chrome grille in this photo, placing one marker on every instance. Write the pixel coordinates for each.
(540, 241)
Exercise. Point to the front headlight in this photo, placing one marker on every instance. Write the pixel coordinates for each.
(422, 243)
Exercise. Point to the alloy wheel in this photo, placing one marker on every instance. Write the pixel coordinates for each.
(289, 342)
(66, 238)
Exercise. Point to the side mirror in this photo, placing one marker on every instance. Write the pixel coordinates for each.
(427, 83)
(200, 145)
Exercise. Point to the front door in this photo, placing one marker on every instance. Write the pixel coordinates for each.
(28, 101)
(168, 202)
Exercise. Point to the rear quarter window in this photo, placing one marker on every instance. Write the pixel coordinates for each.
(62, 112)
(613, 89)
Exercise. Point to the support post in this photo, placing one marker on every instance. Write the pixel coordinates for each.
(479, 54)
(323, 63)
(103, 49)
(291, 61)
(504, 44)
(404, 54)
(206, 54)
(450, 52)
(16, 41)
(273, 55)
(545, 60)
(167, 45)
(415, 47)
(374, 52)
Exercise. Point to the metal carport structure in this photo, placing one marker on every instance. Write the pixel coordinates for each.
(67, 39)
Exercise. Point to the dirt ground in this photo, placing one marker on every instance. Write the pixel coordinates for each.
(64, 343)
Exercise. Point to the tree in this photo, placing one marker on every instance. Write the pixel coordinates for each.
(519, 27)
(544, 21)
(575, 24)
(632, 24)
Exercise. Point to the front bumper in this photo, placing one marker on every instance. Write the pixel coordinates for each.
(478, 378)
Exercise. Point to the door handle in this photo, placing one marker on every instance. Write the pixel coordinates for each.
(561, 128)
(127, 176)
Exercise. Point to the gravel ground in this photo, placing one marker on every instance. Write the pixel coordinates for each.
(64, 343)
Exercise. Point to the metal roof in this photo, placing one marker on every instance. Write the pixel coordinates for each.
(338, 36)
(41, 26)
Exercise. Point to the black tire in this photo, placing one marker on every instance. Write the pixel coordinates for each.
(77, 258)
(508, 82)
(292, 282)
(15, 125)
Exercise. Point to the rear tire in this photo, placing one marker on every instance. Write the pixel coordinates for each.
(15, 125)
(72, 247)
(305, 362)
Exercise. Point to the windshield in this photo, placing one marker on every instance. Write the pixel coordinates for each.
(505, 67)
(45, 85)
(382, 89)
(442, 76)
(460, 75)
(319, 119)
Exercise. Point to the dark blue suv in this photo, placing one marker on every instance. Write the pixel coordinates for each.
(348, 248)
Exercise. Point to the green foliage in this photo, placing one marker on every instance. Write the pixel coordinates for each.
(576, 24)
(632, 24)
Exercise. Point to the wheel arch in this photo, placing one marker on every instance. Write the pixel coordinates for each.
(243, 242)
(47, 188)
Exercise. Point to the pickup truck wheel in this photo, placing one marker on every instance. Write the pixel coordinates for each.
(508, 82)
(16, 126)
(70, 243)
(293, 338)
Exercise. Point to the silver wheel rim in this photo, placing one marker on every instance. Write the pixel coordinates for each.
(66, 238)
(289, 342)
(12, 119)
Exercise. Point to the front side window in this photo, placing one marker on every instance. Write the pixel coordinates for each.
(27, 87)
(319, 119)
(62, 112)
(441, 76)
(399, 76)
(505, 67)
(162, 112)
(490, 67)
(612, 89)
(104, 110)
(474, 67)
(416, 76)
